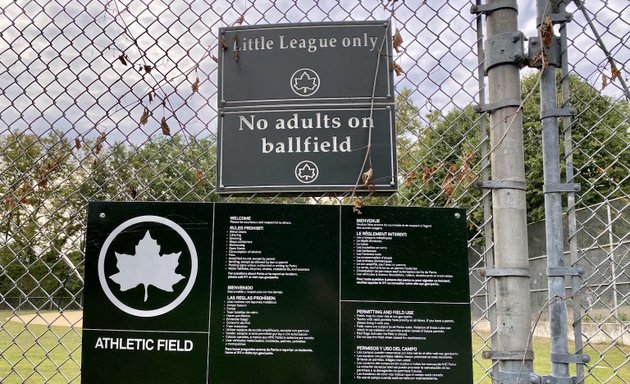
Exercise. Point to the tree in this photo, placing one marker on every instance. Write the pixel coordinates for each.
(47, 183)
(34, 223)
(448, 153)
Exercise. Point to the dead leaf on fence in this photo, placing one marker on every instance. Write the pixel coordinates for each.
(397, 69)
(366, 177)
(604, 80)
(540, 60)
(123, 59)
(356, 207)
(213, 57)
(98, 145)
(195, 86)
(224, 45)
(615, 74)
(10, 203)
(428, 172)
(133, 192)
(150, 96)
(166, 131)
(237, 52)
(144, 119)
(77, 143)
(411, 178)
(148, 68)
(240, 20)
(25, 190)
(546, 32)
(398, 40)
(199, 176)
(43, 183)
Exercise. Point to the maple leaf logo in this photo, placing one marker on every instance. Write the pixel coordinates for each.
(306, 172)
(147, 267)
(305, 83)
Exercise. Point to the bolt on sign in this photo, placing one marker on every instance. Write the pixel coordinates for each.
(269, 293)
(306, 108)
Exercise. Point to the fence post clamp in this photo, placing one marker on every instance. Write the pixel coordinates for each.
(564, 271)
(505, 48)
(489, 8)
(501, 184)
(504, 272)
(516, 378)
(570, 358)
(553, 55)
(561, 188)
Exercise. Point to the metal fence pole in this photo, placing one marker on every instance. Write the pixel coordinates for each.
(576, 280)
(508, 194)
(553, 204)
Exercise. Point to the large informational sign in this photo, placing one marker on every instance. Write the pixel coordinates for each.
(253, 293)
(306, 107)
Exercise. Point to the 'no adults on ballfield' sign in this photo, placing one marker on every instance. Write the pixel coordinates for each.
(306, 108)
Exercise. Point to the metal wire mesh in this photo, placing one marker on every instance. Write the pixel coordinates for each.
(116, 100)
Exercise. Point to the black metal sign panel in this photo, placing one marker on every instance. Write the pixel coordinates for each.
(306, 149)
(309, 62)
(215, 293)
(306, 108)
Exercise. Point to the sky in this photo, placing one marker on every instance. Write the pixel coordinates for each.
(68, 65)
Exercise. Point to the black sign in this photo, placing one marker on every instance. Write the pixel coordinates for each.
(215, 293)
(310, 63)
(306, 107)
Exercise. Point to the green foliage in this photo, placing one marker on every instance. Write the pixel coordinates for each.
(440, 165)
(600, 132)
(47, 183)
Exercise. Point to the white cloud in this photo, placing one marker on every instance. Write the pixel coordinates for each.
(59, 62)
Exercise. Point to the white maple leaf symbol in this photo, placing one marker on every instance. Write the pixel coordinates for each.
(147, 267)
(306, 172)
(305, 83)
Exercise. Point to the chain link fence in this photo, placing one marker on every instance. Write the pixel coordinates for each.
(117, 100)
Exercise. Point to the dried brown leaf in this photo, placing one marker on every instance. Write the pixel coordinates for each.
(10, 203)
(42, 182)
(614, 74)
(224, 45)
(195, 86)
(144, 119)
(133, 192)
(148, 68)
(151, 97)
(199, 176)
(356, 207)
(98, 145)
(428, 172)
(366, 177)
(25, 189)
(166, 131)
(397, 69)
(398, 40)
(411, 178)
(240, 20)
(213, 57)
(546, 32)
(540, 60)
(604, 80)
(77, 143)
(123, 59)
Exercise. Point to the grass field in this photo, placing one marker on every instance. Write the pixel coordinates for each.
(52, 354)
